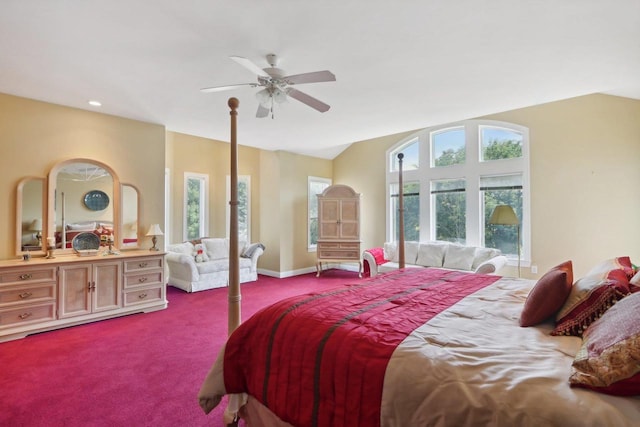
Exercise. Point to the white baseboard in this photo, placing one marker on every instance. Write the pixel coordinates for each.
(291, 273)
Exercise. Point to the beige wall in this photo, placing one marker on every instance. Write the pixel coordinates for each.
(294, 172)
(36, 135)
(278, 195)
(186, 153)
(585, 193)
(584, 176)
(362, 167)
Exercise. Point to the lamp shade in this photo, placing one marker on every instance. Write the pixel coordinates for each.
(154, 230)
(504, 215)
(36, 225)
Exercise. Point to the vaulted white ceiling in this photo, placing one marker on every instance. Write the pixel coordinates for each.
(399, 65)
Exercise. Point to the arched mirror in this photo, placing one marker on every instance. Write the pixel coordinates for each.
(30, 215)
(130, 209)
(83, 196)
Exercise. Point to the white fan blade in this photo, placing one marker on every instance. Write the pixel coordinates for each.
(308, 99)
(314, 77)
(249, 65)
(262, 111)
(229, 87)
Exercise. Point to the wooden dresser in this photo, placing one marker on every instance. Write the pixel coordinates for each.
(45, 294)
(338, 227)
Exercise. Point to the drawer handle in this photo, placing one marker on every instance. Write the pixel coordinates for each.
(25, 295)
(25, 315)
(25, 276)
(142, 279)
(142, 296)
(142, 265)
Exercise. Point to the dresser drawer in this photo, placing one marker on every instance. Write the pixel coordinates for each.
(338, 254)
(143, 264)
(143, 296)
(27, 294)
(33, 275)
(27, 314)
(143, 279)
(328, 245)
(350, 245)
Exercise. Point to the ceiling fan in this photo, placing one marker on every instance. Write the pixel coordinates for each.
(277, 85)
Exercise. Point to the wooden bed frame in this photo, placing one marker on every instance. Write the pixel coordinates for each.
(234, 296)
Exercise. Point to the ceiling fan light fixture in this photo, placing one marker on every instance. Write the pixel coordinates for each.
(279, 96)
(275, 85)
(264, 97)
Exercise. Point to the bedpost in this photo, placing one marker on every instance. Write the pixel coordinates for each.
(234, 296)
(400, 213)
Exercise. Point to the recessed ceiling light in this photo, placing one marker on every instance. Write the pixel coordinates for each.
(95, 103)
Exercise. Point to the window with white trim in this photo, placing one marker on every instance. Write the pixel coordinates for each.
(457, 174)
(196, 213)
(315, 186)
(244, 207)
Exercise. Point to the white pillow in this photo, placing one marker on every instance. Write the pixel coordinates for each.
(431, 254)
(482, 255)
(217, 247)
(185, 248)
(82, 226)
(410, 253)
(389, 251)
(107, 225)
(459, 257)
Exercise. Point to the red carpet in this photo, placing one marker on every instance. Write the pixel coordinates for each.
(138, 370)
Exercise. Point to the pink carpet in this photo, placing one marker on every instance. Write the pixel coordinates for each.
(138, 370)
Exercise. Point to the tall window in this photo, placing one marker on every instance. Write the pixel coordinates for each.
(196, 215)
(411, 204)
(462, 171)
(501, 190)
(315, 186)
(449, 201)
(244, 207)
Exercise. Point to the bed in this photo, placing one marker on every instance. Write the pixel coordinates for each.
(102, 229)
(434, 347)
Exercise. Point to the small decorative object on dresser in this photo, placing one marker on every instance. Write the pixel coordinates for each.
(154, 232)
(338, 226)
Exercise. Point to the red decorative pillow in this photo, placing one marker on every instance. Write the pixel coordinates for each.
(590, 297)
(603, 269)
(548, 295)
(608, 359)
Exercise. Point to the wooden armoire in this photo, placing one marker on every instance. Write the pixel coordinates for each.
(338, 227)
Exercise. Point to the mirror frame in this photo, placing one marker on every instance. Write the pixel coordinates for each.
(121, 242)
(51, 200)
(43, 217)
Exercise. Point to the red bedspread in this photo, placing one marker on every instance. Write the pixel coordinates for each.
(320, 359)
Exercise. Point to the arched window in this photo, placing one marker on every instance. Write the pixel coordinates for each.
(454, 176)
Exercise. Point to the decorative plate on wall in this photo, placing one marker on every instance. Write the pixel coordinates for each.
(96, 200)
